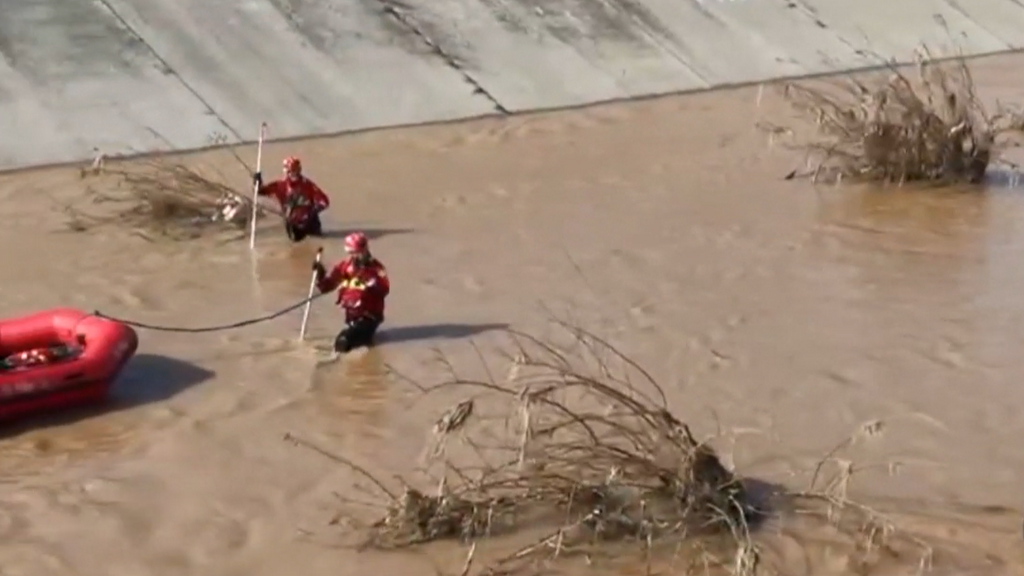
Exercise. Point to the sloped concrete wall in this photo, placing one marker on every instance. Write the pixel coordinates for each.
(129, 76)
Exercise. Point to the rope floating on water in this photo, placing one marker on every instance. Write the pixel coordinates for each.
(220, 328)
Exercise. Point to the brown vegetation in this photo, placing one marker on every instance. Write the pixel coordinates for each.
(160, 199)
(900, 127)
(576, 457)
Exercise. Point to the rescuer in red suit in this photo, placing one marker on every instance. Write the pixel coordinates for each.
(363, 285)
(300, 198)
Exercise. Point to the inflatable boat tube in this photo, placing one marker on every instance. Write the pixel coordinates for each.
(58, 359)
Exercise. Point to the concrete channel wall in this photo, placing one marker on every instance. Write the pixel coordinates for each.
(131, 76)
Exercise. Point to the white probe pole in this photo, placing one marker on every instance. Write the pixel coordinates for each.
(256, 187)
(309, 301)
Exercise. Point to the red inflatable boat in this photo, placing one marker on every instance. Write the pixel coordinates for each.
(59, 358)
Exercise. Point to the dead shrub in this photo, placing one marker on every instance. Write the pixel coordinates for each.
(160, 199)
(899, 127)
(574, 455)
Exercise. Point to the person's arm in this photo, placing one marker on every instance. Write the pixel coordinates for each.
(319, 198)
(268, 189)
(382, 284)
(329, 281)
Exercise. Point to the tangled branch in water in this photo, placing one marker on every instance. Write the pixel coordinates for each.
(929, 127)
(160, 198)
(576, 455)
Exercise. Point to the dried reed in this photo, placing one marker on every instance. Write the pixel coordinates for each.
(927, 126)
(591, 459)
(159, 198)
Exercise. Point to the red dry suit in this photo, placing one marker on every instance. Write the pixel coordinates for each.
(362, 287)
(299, 197)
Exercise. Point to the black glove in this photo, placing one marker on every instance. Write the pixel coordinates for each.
(321, 272)
(257, 179)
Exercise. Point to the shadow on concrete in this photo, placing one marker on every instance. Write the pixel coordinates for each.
(435, 332)
(148, 378)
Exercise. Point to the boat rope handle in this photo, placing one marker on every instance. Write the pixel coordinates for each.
(221, 328)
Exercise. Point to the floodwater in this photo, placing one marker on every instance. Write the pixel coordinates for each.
(786, 315)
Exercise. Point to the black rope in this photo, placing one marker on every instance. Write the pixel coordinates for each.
(222, 327)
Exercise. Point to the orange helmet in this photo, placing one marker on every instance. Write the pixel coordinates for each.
(356, 243)
(292, 166)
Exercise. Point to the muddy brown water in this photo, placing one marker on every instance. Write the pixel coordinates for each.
(787, 315)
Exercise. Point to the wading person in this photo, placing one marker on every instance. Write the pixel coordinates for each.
(300, 198)
(363, 285)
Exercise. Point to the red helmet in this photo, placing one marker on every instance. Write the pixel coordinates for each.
(356, 243)
(292, 166)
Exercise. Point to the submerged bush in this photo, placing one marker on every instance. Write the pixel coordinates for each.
(574, 458)
(900, 127)
(160, 199)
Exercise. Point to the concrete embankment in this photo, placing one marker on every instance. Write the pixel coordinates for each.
(132, 76)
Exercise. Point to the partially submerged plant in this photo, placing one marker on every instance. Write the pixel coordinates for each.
(576, 455)
(161, 198)
(898, 128)
(596, 458)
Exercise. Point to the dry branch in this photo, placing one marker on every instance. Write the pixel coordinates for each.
(596, 459)
(925, 126)
(162, 199)
(582, 449)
